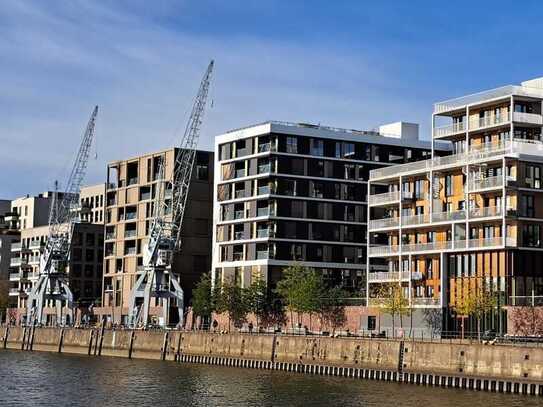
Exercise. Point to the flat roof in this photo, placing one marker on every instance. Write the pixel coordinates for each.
(313, 130)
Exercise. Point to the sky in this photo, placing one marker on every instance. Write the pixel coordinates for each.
(352, 63)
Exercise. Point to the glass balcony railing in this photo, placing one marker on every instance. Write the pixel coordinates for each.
(16, 246)
(485, 212)
(240, 193)
(262, 254)
(263, 169)
(263, 148)
(485, 183)
(262, 211)
(530, 118)
(448, 216)
(14, 276)
(262, 233)
(384, 223)
(239, 235)
(130, 216)
(488, 121)
(445, 131)
(130, 233)
(386, 198)
(264, 190)
(382, 250)
(239, 214)
(238, 256)
(415, 219)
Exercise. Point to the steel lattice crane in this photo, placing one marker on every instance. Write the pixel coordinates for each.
(157, 280)
(65, 213)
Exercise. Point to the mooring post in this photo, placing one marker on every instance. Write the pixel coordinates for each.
(60, 340)
(132, 334)
(164, 345)
(6, 334)
(91, 337)
(101, 341)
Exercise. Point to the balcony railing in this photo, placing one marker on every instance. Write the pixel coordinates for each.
(417, 247)
(425, 301)
(485, 183)
(531, 118)
(382, 250)
(110, 236)
(130, 216)
(263, 148)
(14, 276)
(488, 121)
(238, 256)
(13, 292)
(130, 233)
(239, 235)
(264, 168)
(132, 181)
(485, 212)
(415, 219)
(448, 216)
(130, 250)
(17, 261)
(444, 131)
(381, 199)
(262, 254)
(262, 233)
(34, 260)
(35, 244)
(387, 276)
(262, 211)
(239, 214)
(240, 173)
(240, 193)
(263, 190)
(384, 223)
(16, 246)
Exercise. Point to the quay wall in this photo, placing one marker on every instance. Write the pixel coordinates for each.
(486, 367)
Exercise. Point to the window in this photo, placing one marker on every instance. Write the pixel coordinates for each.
(448, 185)
(419, 189)
(533, 176)
(201, 172)
(292, 145)
(527, 206)
(317, 147)
(348, 150)
(530, 235)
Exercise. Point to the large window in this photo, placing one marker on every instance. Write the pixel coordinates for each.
(530, 235)
(317, 147)
(533, 176)
(527, 206)
(292, 145)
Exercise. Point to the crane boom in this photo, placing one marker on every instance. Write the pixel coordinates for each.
(157, 281)
(52, 282)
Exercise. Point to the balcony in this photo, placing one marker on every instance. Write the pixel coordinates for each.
(383, 250)
(263, 233)
(34, 260)
(240, 193)
(264, 147)
(485, 183)
(17, 262)
(448, 216)
(35, 244)
(264, 190)
(239, 214)
(110, 236)
(428, 301)
(385, 276)
(262, 212)
(384, 223)
(488, 121)
(445, 131)
(132, 181)
(130, 250)
(415, 219)
(238, 256)
(262, 254)
(15, 247)
(13, 292)
(485, 212)
(14, 276)
(239, 235)
(130, 233)
(384, 199)
(240, 173)
(528, 118)
(264, 168)
(419, 247)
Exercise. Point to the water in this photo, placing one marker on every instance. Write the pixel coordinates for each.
(48, 379)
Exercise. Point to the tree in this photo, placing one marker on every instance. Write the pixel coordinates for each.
(475, 303)
(394, 302)
(332, 310)
(301, 287)
(232, 299)
(202, 299)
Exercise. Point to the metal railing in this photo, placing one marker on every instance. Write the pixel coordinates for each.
(488, 121)
(444, 131)
(262, 254)
(485, 212)
(261, 233)
(264, 190)
(262, 211)
(417, 247)
(382, 250)
(485, 183)
(415, 219)
(16, 246)
(384, 223)
(387, 197)
(425, 301)
(531, 118)
(448, 216)
(14, 276)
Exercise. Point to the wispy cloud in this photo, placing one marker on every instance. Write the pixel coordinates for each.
(59, 59)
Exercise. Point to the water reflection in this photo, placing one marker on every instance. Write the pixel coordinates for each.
(48, 379)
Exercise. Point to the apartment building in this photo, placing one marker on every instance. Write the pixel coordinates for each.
(287, 192)
(92, 200)
(31, 217)
(128, 215)
(468, 221)
(8, 234)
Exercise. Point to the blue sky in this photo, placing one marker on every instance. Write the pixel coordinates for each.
(353, 64)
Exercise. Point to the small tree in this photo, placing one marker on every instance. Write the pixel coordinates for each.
(332, 310)
(394, 302)
(202, 299)
(232, 299)
(291, 289)
(475, 303)
(257, 297)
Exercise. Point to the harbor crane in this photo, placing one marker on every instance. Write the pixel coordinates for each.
(157, 280)
(52, 283)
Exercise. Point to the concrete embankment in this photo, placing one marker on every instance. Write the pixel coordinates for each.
(474, 366)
